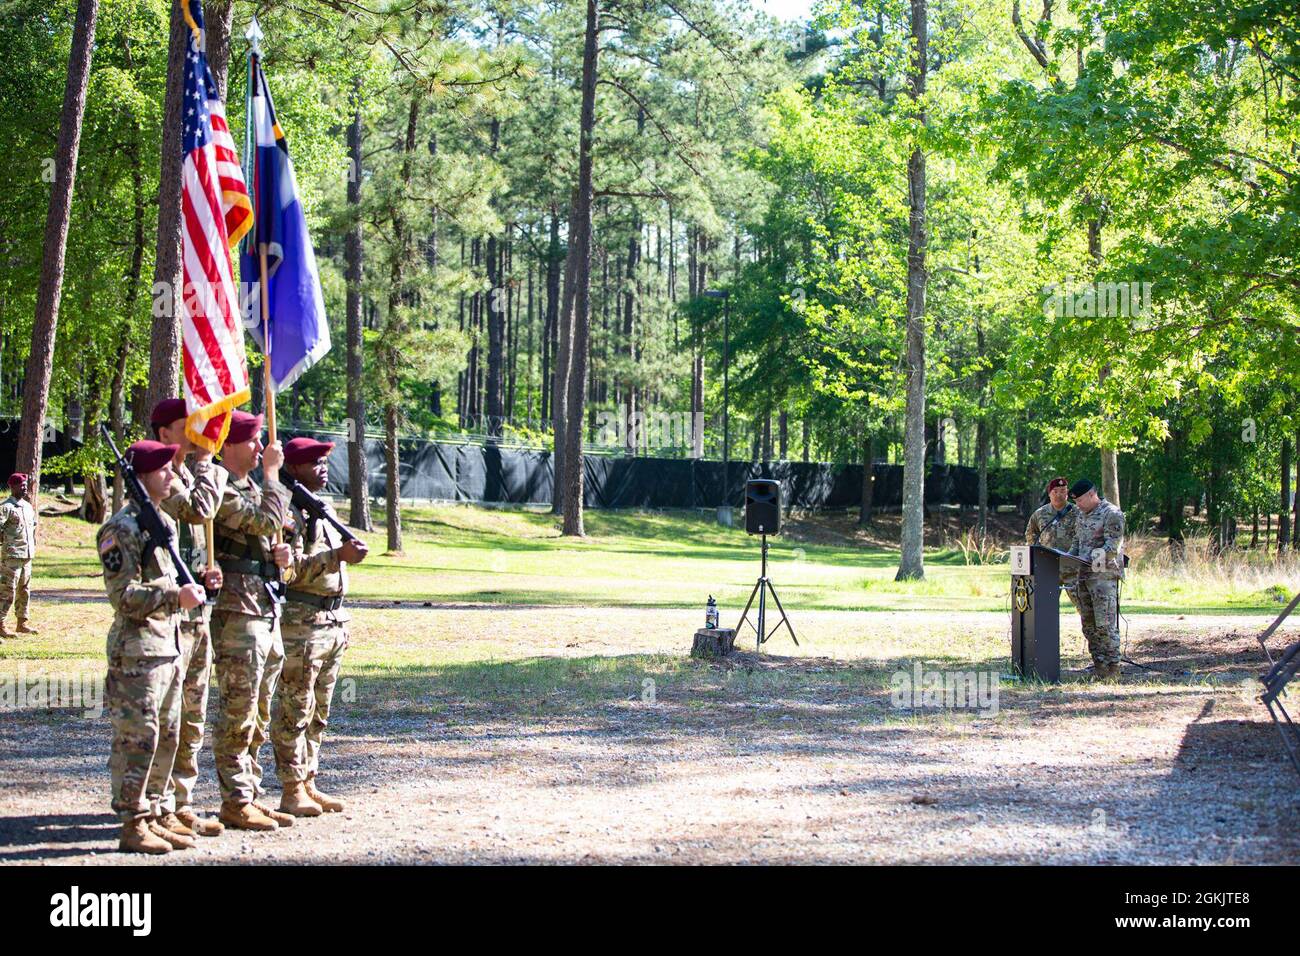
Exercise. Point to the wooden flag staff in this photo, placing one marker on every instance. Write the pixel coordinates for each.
(254, 36)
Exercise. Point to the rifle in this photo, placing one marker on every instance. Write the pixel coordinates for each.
(304, 500)
(150, 520)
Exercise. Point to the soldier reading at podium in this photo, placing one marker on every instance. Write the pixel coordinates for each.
(1052, 526)
(1099, 539)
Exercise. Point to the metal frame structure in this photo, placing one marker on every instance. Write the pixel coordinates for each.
(1279, 674)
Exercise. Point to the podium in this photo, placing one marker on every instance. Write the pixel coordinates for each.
(1036, 611)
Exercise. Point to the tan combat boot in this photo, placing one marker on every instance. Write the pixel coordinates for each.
(1103, 673)
(200, 825)
(245, 817)
(24, 629)
(138, 838)
(298, 803)
(282, 819)
(327, 803)
(173, 824)
(177, 840)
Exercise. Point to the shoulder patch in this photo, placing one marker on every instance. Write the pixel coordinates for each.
(110, 553)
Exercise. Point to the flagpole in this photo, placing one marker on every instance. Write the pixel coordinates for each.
(266, 344)
(254, 36)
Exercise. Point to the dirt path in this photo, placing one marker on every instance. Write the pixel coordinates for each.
(550, 746)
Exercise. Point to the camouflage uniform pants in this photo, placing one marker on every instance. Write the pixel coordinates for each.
(1098, 602)
(15, 588)
(1070, 587)
(143, 696)
(248, 656)
(265, 697)
(312, 657)
(196, 670)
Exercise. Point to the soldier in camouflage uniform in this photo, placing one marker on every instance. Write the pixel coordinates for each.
(246, 624)
(192, 500)
(1099, 539)
(17, 549)
(143, 686)
(315, 636)
(1052, 526)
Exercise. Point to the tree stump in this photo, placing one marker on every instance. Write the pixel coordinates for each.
(713, 642)
(93, 500)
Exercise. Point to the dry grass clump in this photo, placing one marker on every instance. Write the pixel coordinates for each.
(1197, 563)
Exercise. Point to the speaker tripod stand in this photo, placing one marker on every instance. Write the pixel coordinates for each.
(761, 587)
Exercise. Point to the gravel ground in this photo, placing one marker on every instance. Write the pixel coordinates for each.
(549, 748)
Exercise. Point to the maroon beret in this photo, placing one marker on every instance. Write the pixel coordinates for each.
(16, 479)
(243, 427)
(146, 456)
(1057, 483)
(304, 451)
(167, 411)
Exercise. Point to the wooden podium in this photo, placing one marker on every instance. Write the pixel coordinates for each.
(1036, 611)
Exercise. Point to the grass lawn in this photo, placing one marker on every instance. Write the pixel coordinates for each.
(676, 560)
(523, 697)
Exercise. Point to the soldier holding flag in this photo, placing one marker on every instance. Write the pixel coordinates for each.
(192, 501)
(246, 624)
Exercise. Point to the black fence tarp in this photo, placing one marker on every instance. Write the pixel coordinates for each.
(9, 450)
(491, 474)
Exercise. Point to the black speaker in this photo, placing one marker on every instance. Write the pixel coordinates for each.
(763, 506)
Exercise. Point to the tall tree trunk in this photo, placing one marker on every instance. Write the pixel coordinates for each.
(358, 473)
(117, 390)
(1295, 518)
(563, 329)
(1109, 456)
(218, 15)
(911, 564)
(40, 361)
(165, 347)
(982, 460)
(1284, 513)
(868, 479)
(398, 297)
(393, 491)
(580, 296)
(550, 322)
(496, 323)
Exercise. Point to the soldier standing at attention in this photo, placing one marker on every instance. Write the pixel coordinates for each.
(1099, 539)
(315, 636)
(1052, 526)
(246, 623)
(143, 686)
(192, 500)
(18, 541)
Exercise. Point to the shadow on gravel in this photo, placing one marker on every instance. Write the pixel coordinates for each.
(1236, 789)
(72, 834)
(632, 720)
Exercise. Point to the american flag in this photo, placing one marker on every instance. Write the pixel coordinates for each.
(216, 213)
